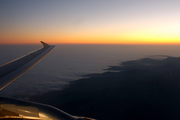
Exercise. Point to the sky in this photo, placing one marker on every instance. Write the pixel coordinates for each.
(90, 21)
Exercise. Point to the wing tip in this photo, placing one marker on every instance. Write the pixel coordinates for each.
(44, 44)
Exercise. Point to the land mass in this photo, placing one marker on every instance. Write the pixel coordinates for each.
(144, 89)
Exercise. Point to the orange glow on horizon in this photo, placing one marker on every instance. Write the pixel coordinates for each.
(128, 32)
(154, 35)
(98, 41)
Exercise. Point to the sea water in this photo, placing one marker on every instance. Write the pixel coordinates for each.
(67, 63)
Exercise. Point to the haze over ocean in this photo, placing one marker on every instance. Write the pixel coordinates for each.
(68, 62)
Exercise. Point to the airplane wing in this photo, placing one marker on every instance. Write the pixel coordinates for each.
(12, 70)
(25, 110)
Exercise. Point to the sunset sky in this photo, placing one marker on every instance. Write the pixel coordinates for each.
(90, 21)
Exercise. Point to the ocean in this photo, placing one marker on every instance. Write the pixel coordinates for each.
(67, 63)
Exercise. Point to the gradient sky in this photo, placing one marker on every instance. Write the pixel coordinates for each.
(90, 21)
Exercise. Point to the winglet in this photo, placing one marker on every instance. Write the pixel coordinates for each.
(44, 44)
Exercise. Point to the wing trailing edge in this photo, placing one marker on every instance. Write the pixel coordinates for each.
(12, 70)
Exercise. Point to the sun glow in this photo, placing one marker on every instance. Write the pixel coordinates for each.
(143, 23)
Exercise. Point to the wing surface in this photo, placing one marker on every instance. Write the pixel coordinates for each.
(12, 70)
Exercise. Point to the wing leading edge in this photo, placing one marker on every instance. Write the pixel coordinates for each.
(12, 70)
(19, 109)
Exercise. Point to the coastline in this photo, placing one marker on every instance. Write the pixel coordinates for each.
(147, 88)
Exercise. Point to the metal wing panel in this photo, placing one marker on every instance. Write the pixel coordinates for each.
(10, 71)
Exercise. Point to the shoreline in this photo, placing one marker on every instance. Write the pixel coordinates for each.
(139, 89)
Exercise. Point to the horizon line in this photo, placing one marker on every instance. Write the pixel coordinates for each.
(91, 43)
